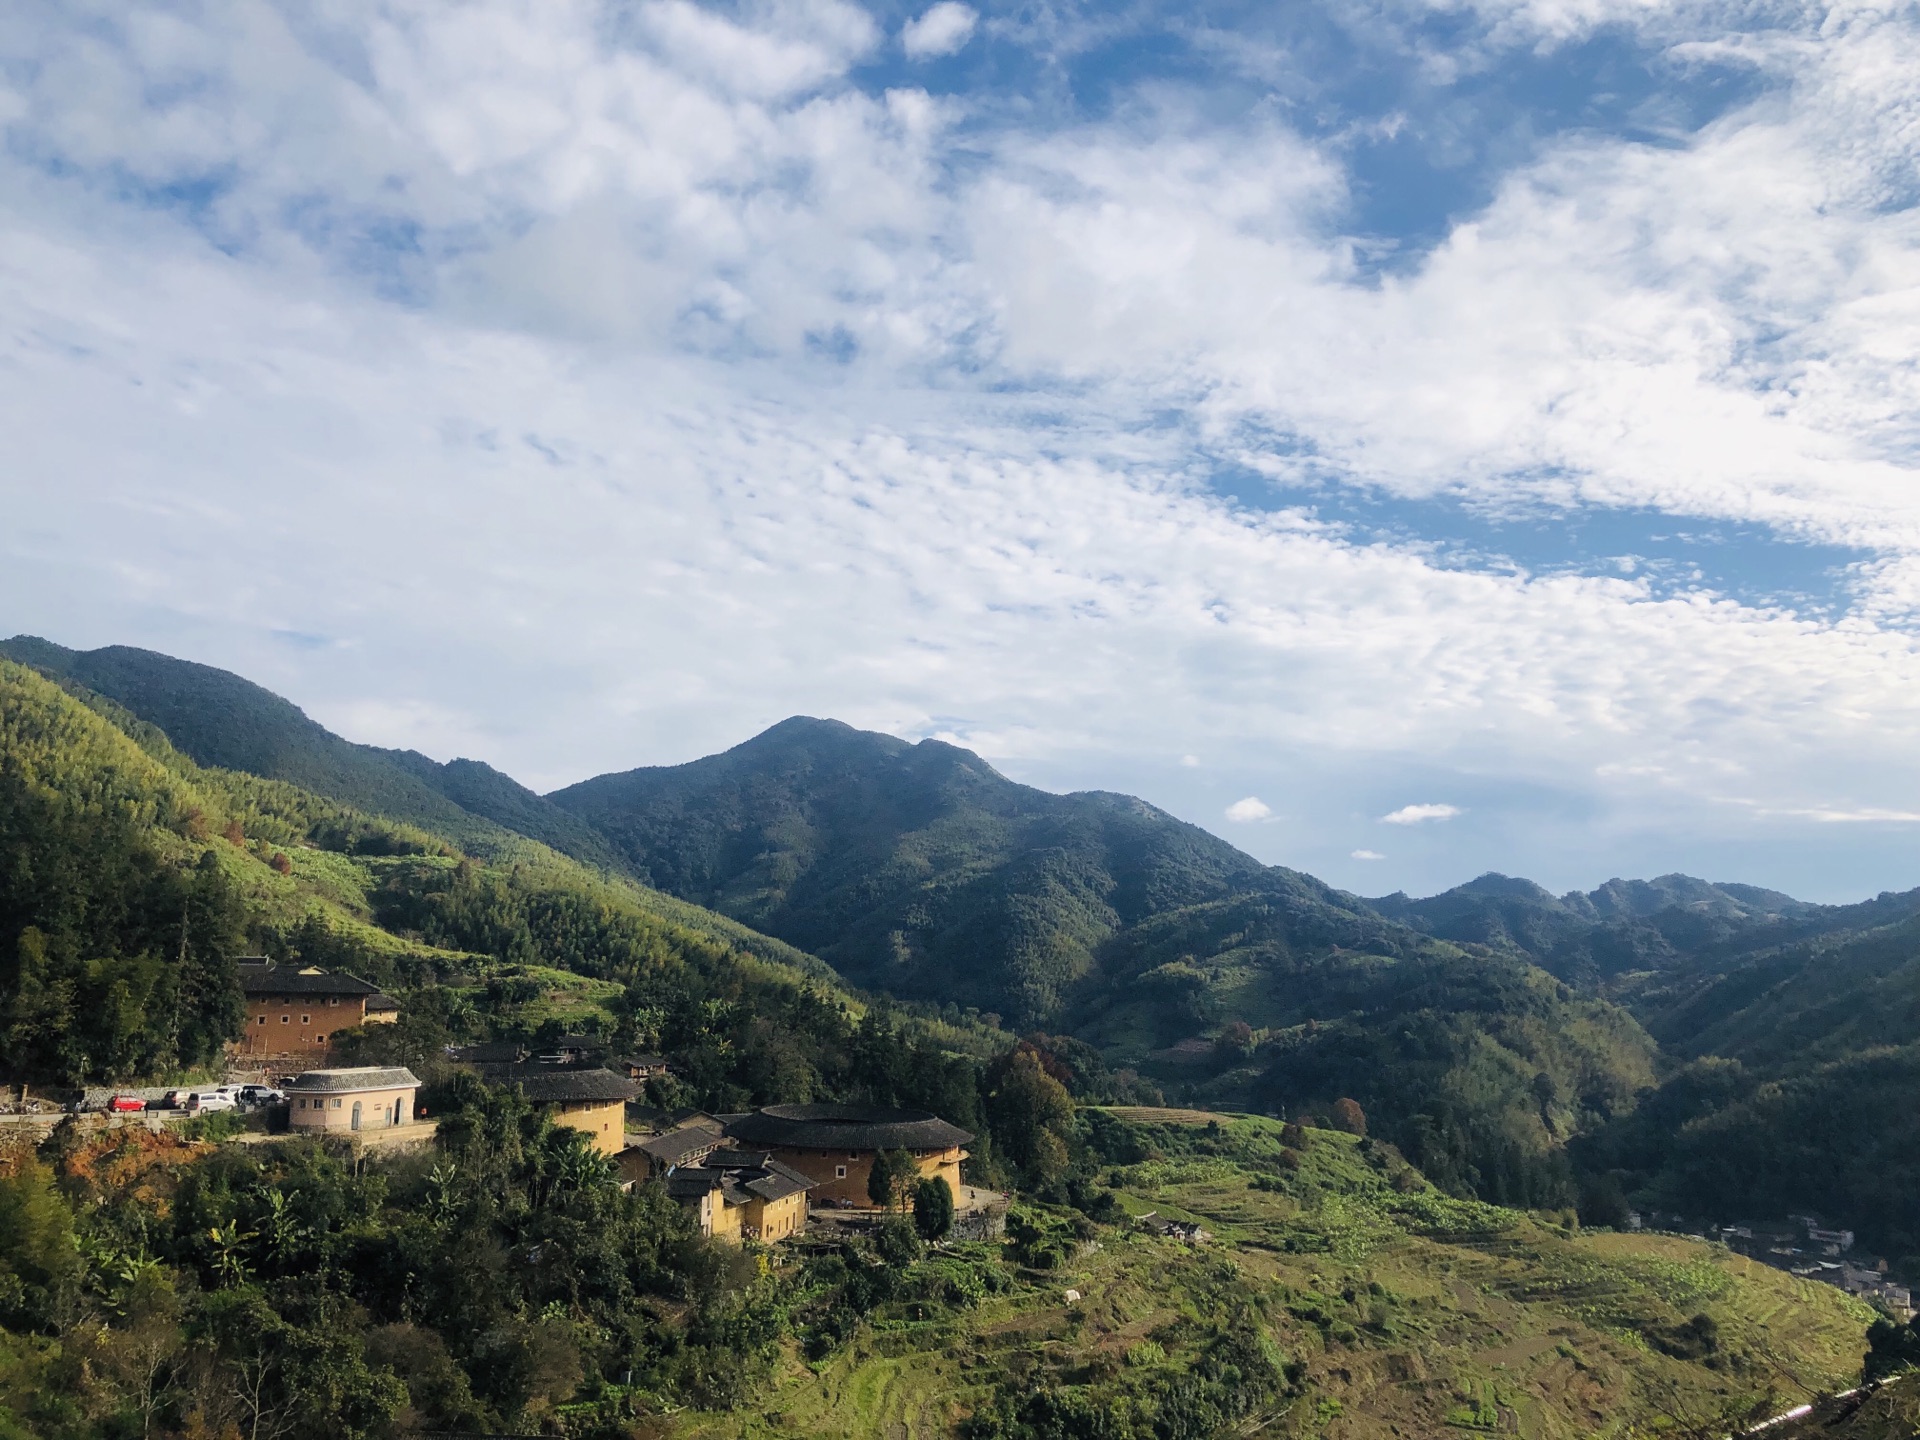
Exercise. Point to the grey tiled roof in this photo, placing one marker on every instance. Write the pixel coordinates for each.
(288, 980)
(740, 1176)
(691, 1183)
(846, 1127)
(363, 1077)
(548, 1084)
(671, 1148)
(494, 1052)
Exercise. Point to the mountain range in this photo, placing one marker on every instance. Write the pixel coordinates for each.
(1486, 1028)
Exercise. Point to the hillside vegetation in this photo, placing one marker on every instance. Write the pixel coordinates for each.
(1659, 1042)
(1355, 1285)
(222, 721)
(1340, 1296)
(1789, 1035)
(920, 870)
(113, 840)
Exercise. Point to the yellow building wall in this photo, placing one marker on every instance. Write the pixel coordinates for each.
(604, 1120)
(727, 1219)
(298, 1026)
(335, 1112)
(825, 1167)
(773, 1220)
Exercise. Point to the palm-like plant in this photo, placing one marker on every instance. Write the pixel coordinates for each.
(228, 1262)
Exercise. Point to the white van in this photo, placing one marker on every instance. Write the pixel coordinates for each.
(205, 1102)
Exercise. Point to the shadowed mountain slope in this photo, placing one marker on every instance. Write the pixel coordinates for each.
(920, 870)
(916, 868)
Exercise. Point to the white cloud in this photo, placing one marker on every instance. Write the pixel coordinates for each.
(604, 387)
(1366, 855)
(1190, 762)
(1420, 814)
(943, 29)
(1252, 808)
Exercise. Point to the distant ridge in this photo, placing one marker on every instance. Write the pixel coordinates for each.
(219, 719)
(1623, 925)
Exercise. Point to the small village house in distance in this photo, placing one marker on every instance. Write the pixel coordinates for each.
(294, 1012)
(735, 1195)
(593, 1101)
(689, 1142)
(367, 1097)
(833, 1145)
(753, 1176)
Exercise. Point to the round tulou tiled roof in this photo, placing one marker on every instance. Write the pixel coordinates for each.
(364, 1077)
(847, 1127)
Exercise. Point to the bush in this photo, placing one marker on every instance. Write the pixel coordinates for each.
(897, 1243)
(933, 1209)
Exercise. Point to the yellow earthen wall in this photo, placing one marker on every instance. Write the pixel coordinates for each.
(298, 1025)
(335, 1112)
(823, 1167)
(604, 1120)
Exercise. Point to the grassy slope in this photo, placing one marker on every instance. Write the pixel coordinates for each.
(1412, 1314)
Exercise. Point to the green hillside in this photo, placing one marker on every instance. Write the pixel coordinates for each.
(1623, 927)
(921, 873)
(1339, 1296)
(224, 722)
(112, 840)
(919, 870)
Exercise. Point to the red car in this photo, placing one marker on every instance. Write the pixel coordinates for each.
(122, 1103)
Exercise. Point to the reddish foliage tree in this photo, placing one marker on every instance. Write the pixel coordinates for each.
(1348, 1116)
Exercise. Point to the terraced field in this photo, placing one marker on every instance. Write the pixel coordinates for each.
(1403, 1312)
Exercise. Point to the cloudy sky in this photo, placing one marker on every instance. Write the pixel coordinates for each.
(1408, 439)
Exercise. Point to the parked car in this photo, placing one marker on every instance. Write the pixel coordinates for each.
(203, 1102)
(172, 1100)
(122, 1104)
(254, 1097)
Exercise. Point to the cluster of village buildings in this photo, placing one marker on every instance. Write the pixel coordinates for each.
(750, 1176)
(1802, 1246)
(760, 1174)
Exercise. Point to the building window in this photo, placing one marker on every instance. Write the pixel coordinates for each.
(286, 1019)
(336, 1104)
(306, 1019)
(263, 1019)
(839, 1172)
(320, 1039)
(333, 999)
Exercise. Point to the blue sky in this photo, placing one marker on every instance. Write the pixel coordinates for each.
(1408, 439)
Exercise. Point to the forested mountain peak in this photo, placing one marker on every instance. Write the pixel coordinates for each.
(917, 867)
